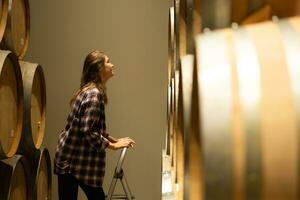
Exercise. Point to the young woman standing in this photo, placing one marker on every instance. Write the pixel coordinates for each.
(80, 152)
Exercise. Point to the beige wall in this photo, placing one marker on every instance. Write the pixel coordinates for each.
(134, 34)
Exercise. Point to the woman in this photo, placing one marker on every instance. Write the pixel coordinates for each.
(80, 152)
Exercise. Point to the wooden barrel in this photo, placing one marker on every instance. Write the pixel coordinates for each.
(14, 179)
(11, 104)
(34, 107)
(187, 25)
(285, 8)
(262, 14)
(41, 181)
(178, 154)
(193, 172)
(220, 14)
(249, 111)
(16, 36)
(3, 16)
(216, 14)
(171, 56)
(241, 9)
(171, 44)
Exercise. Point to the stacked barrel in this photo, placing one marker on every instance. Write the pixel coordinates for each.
(233, 111)
(25, 166)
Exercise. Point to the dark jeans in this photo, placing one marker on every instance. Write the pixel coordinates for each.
(68, 189)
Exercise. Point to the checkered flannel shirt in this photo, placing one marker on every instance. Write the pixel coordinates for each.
(81, 146)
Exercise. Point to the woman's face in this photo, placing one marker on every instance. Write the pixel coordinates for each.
(106, 71)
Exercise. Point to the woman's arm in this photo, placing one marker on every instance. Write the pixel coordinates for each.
(115, 140)
(122, 142)
(89, 121)
(111, 138)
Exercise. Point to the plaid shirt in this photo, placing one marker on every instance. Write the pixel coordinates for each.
(81, 146)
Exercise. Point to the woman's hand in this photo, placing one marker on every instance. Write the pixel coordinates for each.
(122, 142)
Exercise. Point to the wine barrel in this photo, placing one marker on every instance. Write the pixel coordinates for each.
(187, 25)
(178, 138)
(16, 35)
(286, 8)
(262, 14)
(241, 9)
(41, 180)
(218, 14)
(249, 111)
(34, 107)
(14, 179)
(3, 16)
(11, 104)
(171, 44)
(193, 172)
(171, 56)
(172, 139)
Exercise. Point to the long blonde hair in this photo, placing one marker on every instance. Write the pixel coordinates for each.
(90, 77)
